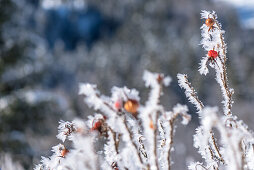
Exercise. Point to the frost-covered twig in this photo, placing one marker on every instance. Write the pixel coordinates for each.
(230, 138)
(132, 140)
(235, 137)
(178, 110)
(166, 128)
(151, 113)
(193, 98)
(213, 43)
(190, 91)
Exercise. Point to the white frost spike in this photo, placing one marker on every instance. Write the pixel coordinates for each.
(209, 117)
(164, 148)
(87, 89)
(189, 91)
(56, 149)
(79, 125)
(232, 139)
(63, 130)
(182, 110)
(93, 99)
(124, 94)
(201, 142)
(109, 150)
(205, 14)
(203, 66)
(82, 156)
(151, 79)
(202, 136)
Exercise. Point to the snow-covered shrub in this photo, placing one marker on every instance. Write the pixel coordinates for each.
(235, 150)
(137, 136)
(140, 136)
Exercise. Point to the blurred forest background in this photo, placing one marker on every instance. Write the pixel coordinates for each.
(47, 47)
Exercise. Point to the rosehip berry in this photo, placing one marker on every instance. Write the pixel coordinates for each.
(100, 125)
(151, 124)
(160, 78)
(118, 105)
(97, 125)
(209, 22)
(131, 106)
(64, 152)
(212, 54)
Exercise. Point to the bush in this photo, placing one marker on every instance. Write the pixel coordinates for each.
(140, 136)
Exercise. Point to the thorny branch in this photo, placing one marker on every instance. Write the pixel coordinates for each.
(132, 140)
(201, 106)
(193, 93)
(224, 71)
(171, 134)
(155, 140)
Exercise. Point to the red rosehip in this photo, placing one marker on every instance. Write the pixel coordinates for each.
(118, 105)
(97, 125)
(151, 124)
(212, 54)
(64, 152)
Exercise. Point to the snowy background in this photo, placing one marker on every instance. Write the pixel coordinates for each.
(47, 47)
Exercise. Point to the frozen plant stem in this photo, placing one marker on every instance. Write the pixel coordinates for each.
(190, 91)
(116, 140)
(224, 75)
(156, 126)
(132, 141)
(223, 71)
(236, 140)
(193, 98)
(155, 140)
(171, 124)
(216, 147)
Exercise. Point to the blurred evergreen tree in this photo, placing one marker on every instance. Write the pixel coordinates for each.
(21, 114)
